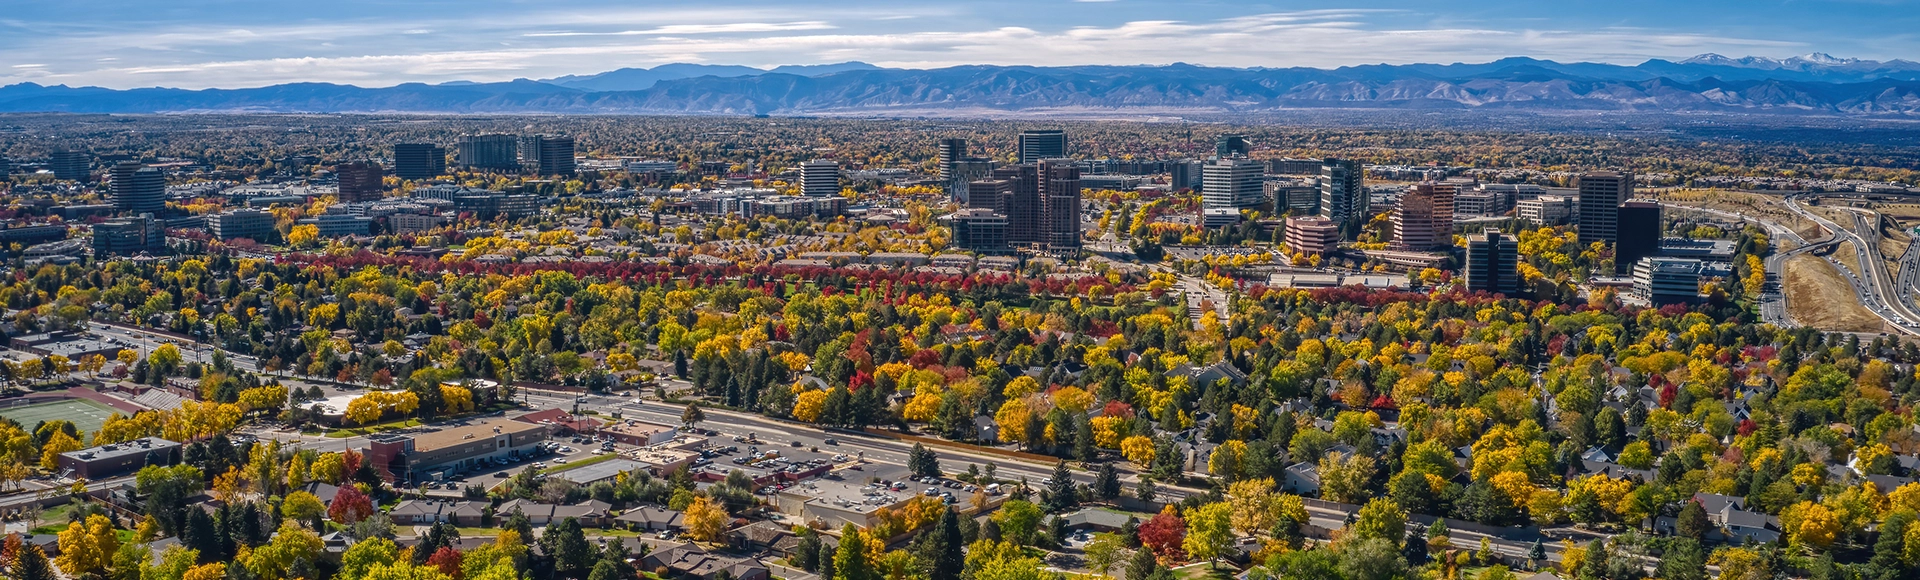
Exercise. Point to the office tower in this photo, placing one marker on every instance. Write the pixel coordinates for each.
(553, 154)
(1343, 196)
(128, 236)
(989, 194)
(1037, 144)
(1312, 234)
(1060, 211)
(1232, 183)
(6, 167)
(1021, 202)
(1639, 227)
(1493, 261)
(1600, 195)
(419, 161)
(1661, 281)
(1231, 145)
(951, 149)
(1183, 174)
(70, 165)
(490, 151)
(360, 181)
(1416, 220)
(977, 229)
(964, 172)
(138, 189)
(820, 178)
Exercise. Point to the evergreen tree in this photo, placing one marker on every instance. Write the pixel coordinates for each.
(567, 545)
(1061, 494)
(922, 461)
(943, 558)
(1692, 522)
(806, 555)
(1141, 565)
(850, 562)
(199, 535)
(1106, 482)
(32, 564)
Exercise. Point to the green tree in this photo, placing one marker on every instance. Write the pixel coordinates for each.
(1209, 531)
(850, 562)
(1381, 518)
(692, 416)
(365, 555)
(1692, 521)
(1106, 482)
(923, 462)
(567, 545)
(1018, 521)
(1104, 552)
(1061, 495)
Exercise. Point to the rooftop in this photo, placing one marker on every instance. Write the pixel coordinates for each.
(847, 495)
(455, 435)
(139, 446)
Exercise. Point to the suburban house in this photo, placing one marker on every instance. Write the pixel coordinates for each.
(688, 560)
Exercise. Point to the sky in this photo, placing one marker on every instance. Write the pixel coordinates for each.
(250, 43)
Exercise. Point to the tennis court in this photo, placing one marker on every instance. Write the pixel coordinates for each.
(87, 416)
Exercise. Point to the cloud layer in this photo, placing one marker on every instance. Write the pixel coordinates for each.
(503, 41)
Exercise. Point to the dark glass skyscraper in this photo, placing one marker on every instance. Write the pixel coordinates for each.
(1037, 144)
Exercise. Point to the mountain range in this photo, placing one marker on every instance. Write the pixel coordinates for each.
(1810, 84)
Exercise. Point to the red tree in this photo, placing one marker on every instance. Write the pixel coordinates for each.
(447, 560)
(350, 506)
(1163, 534)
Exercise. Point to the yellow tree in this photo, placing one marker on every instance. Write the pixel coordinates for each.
(57, 444)
(87, 548)
(705, 521)
(1138, 449)
(1253, 505)
(214, 571)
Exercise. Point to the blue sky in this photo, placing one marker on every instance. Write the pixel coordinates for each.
(230, 43)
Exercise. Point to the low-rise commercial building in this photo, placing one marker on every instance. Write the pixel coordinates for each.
(119, 458)
(252, 224)
(1312, 234)
(433, 456)
(1549, 210)
(837, 502)
(1666, 280)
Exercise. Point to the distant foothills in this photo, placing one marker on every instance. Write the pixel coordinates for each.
(1815, 84)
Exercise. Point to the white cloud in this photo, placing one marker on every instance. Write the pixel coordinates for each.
(548, 44)
(679, 29)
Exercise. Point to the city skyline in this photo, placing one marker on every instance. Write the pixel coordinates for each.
(231, 45)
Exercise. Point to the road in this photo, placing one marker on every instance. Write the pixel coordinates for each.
(1773, 303)
(1874, 286)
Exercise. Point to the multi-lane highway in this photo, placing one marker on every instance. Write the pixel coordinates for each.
(1874, 287)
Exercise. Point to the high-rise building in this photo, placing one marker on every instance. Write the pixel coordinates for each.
(979, 230)
(951, 149)
(6, 167)
(989, 194)
(1423, 219)
(70, 165)
(1600, 195)
(1232, 183)
(360, 181)
(128, 236)
(1037, 144)
(419, 160)
(964, 172)
(1061, 208)
(138, 189)
(1231, 145)
(553, 154)
(490, 151)
(1343, 195)
(1183, 174)
(1312, 234)
(1021, 203)
(1639, 227)
(820, 178)
(1493, 263)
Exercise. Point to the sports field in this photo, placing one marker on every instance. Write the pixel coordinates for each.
(87, 416)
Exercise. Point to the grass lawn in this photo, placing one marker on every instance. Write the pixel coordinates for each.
(579, 463)
(371, 429)
(1200, 571)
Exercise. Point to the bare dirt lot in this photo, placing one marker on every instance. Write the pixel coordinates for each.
(1818, 296)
